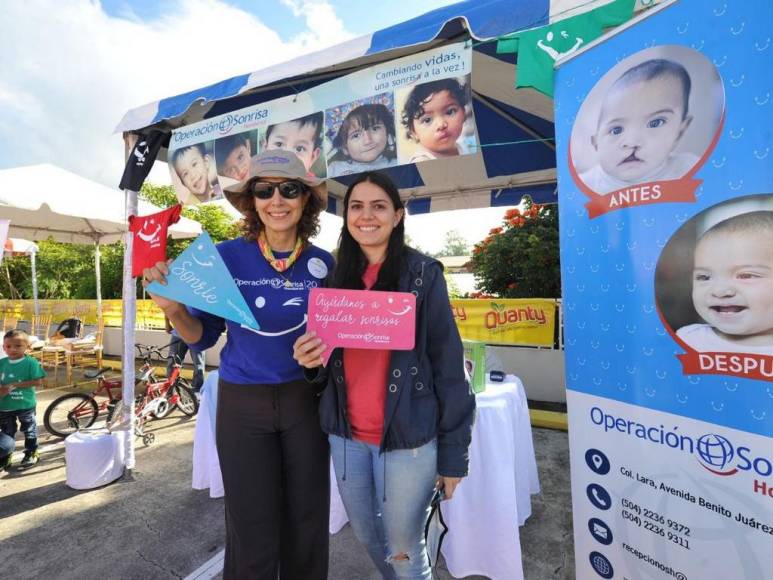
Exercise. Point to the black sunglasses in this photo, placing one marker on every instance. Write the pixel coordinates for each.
(287, 189)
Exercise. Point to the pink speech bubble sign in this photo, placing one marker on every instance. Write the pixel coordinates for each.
(362, 319)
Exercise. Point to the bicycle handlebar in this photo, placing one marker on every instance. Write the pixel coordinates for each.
(148, 352)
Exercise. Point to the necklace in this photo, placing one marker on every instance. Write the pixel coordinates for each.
(288, 278)
(281, 265)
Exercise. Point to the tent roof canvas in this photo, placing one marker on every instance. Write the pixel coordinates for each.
(515, 127)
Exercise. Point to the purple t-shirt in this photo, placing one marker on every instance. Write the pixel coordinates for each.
(279, 302)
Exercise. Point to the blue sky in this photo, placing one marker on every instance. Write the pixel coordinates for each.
(71, 70)
(358, 16)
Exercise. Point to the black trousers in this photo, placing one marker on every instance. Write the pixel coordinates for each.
(275, 461)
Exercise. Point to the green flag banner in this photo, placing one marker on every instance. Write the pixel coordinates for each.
(539, 48)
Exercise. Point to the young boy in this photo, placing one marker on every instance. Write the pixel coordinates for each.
(733, 287)
(301, 136)
(643, 117)
(233, 155)
(433, 116)
(192, 165)
(19, 375)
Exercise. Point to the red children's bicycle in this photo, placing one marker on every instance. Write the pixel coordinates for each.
(157, 398)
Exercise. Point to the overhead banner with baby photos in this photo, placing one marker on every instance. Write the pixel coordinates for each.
(666, 199)
(410, 110)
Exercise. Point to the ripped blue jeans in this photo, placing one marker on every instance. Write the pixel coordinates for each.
(387, 498)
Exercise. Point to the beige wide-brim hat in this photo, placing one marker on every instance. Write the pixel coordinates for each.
(274, 163)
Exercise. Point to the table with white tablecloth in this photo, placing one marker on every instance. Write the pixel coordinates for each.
(488, 506)
(206, 464)
(495, 498)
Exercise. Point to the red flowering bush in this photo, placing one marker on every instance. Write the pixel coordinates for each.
(520, 258)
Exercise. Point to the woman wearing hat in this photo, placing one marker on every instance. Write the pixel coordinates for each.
(273, 455)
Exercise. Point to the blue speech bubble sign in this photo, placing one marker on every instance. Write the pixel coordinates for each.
(199, 278)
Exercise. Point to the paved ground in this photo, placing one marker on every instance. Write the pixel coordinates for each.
(155, 526)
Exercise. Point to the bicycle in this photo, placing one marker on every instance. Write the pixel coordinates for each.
(75, 411)
(161, 397)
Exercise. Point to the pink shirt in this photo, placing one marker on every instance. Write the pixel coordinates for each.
(365, 372)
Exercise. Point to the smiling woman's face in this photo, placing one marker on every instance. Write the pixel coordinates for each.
(371, 217)
(279, 214)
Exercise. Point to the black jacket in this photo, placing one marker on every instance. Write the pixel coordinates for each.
(427, 393)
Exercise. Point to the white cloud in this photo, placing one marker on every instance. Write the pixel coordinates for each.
(70, 71)
(322, 23)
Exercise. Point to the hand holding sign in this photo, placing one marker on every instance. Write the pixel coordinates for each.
(199, 278)
(360, 319)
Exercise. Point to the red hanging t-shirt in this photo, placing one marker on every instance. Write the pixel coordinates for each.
(366, 371)
(150, 237)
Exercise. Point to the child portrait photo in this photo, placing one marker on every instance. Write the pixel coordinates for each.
(193, 173)
(361, 136)
(302, 136)
(650, 118)
(714, 279)
(436, 120)
(233, 154)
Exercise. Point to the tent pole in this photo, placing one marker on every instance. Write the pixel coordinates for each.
(129, 294)
(98, 271)
(34, 283)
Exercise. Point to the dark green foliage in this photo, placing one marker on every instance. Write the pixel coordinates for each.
(520, 259)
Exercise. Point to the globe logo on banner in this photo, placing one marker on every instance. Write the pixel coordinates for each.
(601, 565)
(199, 278)
(715, 451)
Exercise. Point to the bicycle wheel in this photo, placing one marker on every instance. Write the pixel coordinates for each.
(69, 413)
(187, 401)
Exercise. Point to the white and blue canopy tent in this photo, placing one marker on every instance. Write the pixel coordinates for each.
(515, 126)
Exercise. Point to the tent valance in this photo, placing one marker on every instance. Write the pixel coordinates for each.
(515, 128)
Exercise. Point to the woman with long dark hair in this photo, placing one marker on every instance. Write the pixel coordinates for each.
(399, 422)
(273, 455)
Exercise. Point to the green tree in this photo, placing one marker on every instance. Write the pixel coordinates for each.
(15, 277)
(520, 259)
(452, 287)
(214, 220)
(455, 245)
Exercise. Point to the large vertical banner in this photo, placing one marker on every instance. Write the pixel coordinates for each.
(665, 149)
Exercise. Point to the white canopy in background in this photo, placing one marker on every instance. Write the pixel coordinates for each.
(46, 202)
